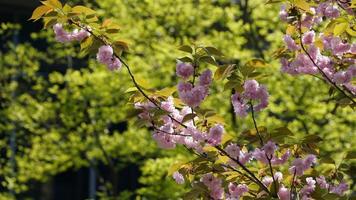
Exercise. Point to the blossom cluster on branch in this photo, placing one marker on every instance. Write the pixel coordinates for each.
(329, 53)
(260, 165)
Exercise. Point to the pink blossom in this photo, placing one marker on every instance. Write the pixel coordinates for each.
(278, 176)
(332, 11)
(260, 155)
(251, 88)
(236, 191)
(267, 180)
(105, 54)
(245, 157)
(164, 136)
(308, 37)
(290, 43)
(114, 64)
(339, 189)
(217, 193)
(64, 36)
(80, 35)
(342, 77)
(299, 165)
(210, 181)
(353, 48)
(320, 10)
(283, 193)
(240, 107)
(287, 68)
(233, 150)
(168, 105)
(178, 177)
(192, 96)
(283, 159)
(307, 21)
(351, 87)
(338, 47)
(269, 148)
(215, 134)
(352, 71)
(164, 140)
(184, 70)
(61, 34)
(308, 189)
(283, 13)
(322, 182)
(304, 65)
(195, 133)
(205, 78)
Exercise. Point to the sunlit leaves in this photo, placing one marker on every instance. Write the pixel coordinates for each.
(39, 11)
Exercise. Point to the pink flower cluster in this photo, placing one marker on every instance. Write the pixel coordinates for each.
(336, 189)
(236, 191)
(178, 177)
(283, 193)
(268, 153)
(106, 56)
(236, 153)
(214, 185)
(189, 94)
(300, 165)
(64, 36)
(171, 132)
(184, 70)
(252, 91)
(326, 59)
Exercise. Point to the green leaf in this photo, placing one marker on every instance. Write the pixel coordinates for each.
(39, 12)
(166, 92)
(351, 31)
(246, 70)
(256, 63)
(112, 30)
(49, 22)
(340, 28)
(186, 59)
(302, 4)
(213, 51)
(208, 59)
(312, 139)
(232, 84)
(86, 43)
(83, 9)
(52, 3)
(131, 89)
(223, 71)
(273, 1)
(350, 155)
(186, 48)
(188, 117)
(119, 44)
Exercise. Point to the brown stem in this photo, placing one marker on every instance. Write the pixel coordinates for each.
(253, 177)
(261, 142)
(255, 124)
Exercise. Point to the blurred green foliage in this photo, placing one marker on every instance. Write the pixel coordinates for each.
(62, 120)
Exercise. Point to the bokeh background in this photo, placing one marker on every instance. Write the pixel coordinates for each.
(56, 106)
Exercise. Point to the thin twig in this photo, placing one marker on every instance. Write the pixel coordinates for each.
(255, 124)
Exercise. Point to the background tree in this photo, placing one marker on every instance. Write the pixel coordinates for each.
(65, 119)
